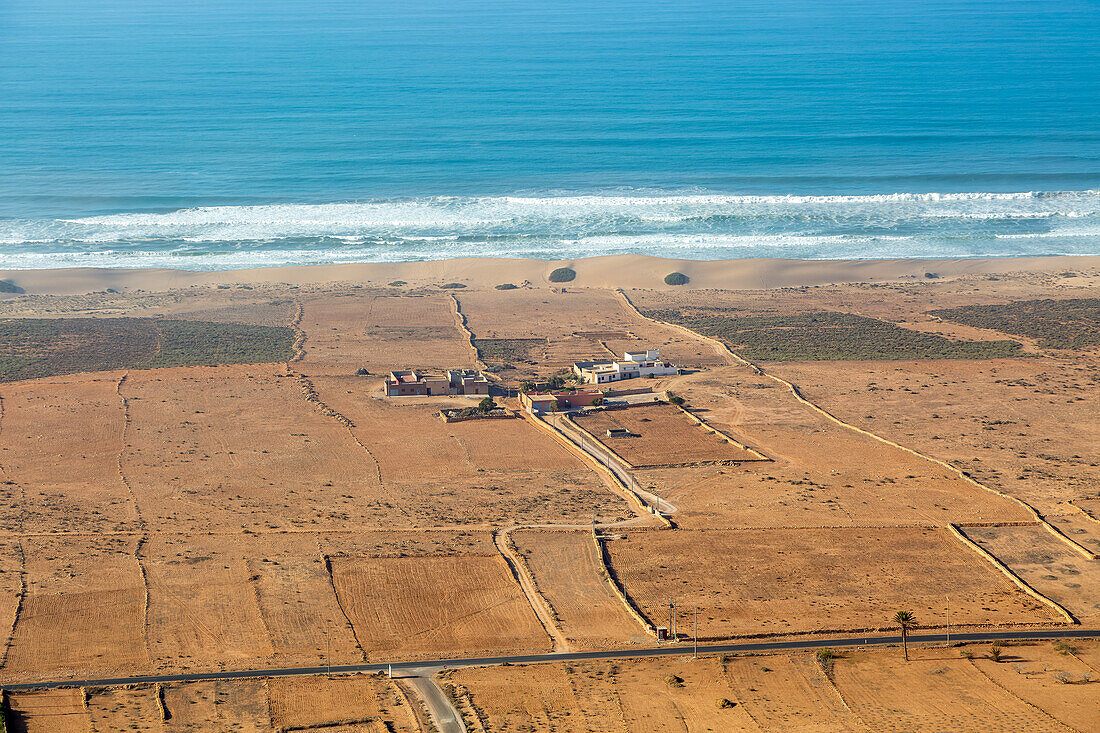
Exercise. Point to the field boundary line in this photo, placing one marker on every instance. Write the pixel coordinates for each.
(724, 663)
(146, 601)
(1086, 512)
(464, 328)
(295, 324)
(585, 432)
(633, 500)
(707, 426)
(127, 420)
(1016, 579)
(2, 469)
(18, 604)
(620, 592)
(414, 719)
(831, 682)
(526, 580)
(340, 604)
(1013, 695)
(253, 575)
(797, 393)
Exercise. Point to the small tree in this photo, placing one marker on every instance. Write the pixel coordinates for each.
(556, 382)
(486, 405)
(597, 401)
(675, 399)
(526, 387)
(906, 620)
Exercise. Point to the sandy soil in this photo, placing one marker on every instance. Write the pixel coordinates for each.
(938, 691)
(438, 606)
(569, 574)
(49, 711)
(660, 435)
(1046, 564)
(237, 705)
(320, 702)
(781, 581)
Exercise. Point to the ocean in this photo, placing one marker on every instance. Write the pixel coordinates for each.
(219, 135)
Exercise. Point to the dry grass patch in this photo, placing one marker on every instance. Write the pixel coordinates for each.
(822, 474)
(1046, 564)
(48, 711)
(349, 331)
(325, 702)
(934, 691)
(1024, 426)
(74, 424)
(241, 448)
(83, 610)
(788, 693)
(779, 581)
(203, 606)
(660, 434)
(602, 697)
(125, 708)
(451, 605)
(232, 705)
(472, 472)
(569, 574)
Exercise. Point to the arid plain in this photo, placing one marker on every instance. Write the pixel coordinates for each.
(847, 446)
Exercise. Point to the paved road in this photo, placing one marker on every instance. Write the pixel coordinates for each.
(678, 650)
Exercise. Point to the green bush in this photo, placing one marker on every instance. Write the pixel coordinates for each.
(563, 275)
(43, 347)
(486, 404)
(828, 336)
(676, 278)
(452, 286)
(675, 399)
(1056, 324)
(506, 286)
(397, 283)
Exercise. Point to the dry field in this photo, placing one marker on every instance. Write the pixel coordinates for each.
(84, 608)
(234, 705)
(1048, 565)
(939, 691)
(193, 468)
(124, 708)
(346, 331)
(600, 697)
(569, 574)
(299, 703)
(788, 693)
(474, 472)
(1024, 426)
(407, 607)
(780, 581)
(580, 325)
(74, 424)
(661, 435)
(822, 474)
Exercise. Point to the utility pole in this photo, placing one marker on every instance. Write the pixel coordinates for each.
(695, 651)
(949, 620)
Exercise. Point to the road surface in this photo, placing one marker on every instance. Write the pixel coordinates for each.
(443, 714)
(665, 651)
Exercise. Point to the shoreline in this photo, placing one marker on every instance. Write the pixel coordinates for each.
(609, 271)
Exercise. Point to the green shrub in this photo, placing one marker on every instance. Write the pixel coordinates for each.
(563, 275)
(486, 404)
(506, 286)
(452, 286)
(397, 283)
(42, 347)
(676, 278)
(675, 399)
(827, 336)
(724, 703)
(674, 680)
(1056, 324)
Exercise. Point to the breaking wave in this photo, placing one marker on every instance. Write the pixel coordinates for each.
(683, 225)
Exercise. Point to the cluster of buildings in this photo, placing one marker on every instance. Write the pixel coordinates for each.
(633, 365)
(416, 383)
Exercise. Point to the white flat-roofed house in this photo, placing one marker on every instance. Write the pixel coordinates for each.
(634, 364)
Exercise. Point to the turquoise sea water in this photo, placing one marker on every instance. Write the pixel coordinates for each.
(212, 135)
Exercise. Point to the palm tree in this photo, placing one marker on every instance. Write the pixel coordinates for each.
(906, 620)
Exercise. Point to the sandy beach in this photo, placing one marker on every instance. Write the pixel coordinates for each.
(620, 271)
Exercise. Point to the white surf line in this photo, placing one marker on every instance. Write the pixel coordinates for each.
(725, 350)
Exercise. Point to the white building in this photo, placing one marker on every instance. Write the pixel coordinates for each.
(634, 364)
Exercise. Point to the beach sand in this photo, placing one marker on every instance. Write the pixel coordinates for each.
(618, 271)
